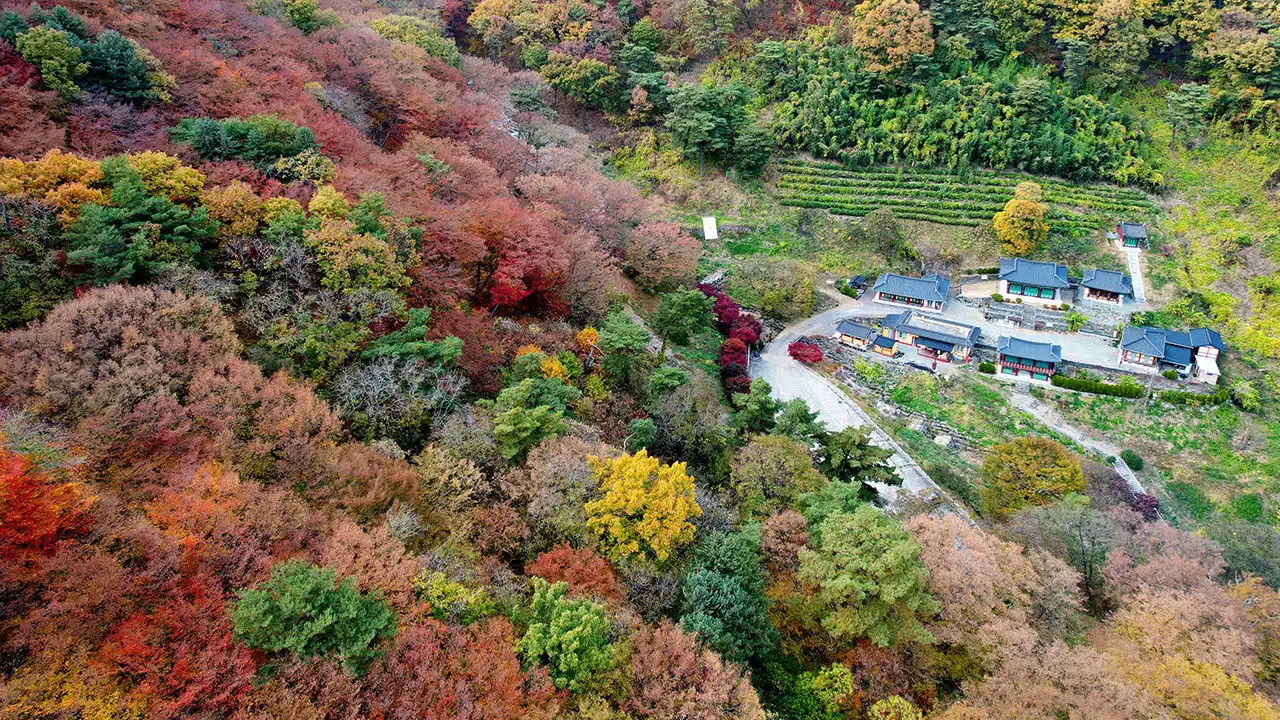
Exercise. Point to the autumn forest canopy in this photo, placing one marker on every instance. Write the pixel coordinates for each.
(342, 375)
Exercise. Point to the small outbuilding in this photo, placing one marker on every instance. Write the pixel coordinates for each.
(1192, 353)
(1132, 235)
(855, 334)
(933, 337)
(884, 346)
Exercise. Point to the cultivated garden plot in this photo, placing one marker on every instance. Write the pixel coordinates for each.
(951, 199)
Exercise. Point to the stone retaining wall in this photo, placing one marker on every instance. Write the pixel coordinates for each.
(882, 397)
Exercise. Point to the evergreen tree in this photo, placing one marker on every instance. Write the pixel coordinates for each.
(138, 235)
(757, 410)
(569, 636)
(114, 64)
(847, 456)
(58, 60)
(410, 341)
(623, 341)
(796, 421)
(303, 610)
(1187, 113)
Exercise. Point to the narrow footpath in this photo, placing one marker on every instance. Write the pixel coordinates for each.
(1135, 271)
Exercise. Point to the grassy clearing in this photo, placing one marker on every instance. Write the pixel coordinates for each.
(1222, 450)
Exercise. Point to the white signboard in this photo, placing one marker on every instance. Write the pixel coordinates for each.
(709, 231)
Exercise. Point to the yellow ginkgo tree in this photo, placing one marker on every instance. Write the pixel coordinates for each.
(645, 507)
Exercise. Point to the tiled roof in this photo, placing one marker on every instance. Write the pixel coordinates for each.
(1204, 337)
(938, 345)
(1028, 350)
(1172, 346)
(884, 342)
(1177, 354)
(1143, 340)
(934, 328)
(932, 287)
(1033, 272)
(1108, 281)
(1133, 230)
(853, 329)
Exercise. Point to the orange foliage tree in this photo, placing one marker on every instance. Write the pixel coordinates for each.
(37, 512)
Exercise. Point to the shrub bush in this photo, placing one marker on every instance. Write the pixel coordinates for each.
(1170, 374)
(806, 353)
(1191, 399)
(735, 378)
(997, 297)
(1244, 395)
(1132, 459)
(1247, 507)
(1148, 506)
(733, 351)
(957, 482)
(1097, 387)
(1196, 502)
(987, 368)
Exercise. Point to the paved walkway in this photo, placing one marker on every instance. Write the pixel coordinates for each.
(1135, 271)
(790, 379)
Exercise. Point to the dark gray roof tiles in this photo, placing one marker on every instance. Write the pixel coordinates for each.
(1028, 350)
(1143, 340)
(1159, 342)
(1108, 281)
(933, 328)
(1133, 230)
(853, 329)
(932, 287)
(1034, 272)
(1204, 337)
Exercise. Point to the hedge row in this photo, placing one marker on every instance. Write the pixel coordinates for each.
(941, 202)
(969, 196)
(951, 189)
(1065, 192)
(1100, 192)
(910, 212)
(934, 207)
(978, 176)
(922, 198)
(1097, 387)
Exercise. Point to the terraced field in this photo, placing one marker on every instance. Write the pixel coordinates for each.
(946, 198)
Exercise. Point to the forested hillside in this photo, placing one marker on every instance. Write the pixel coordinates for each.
(354, 364)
